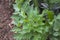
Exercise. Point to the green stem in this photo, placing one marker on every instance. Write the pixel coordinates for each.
(36, 3)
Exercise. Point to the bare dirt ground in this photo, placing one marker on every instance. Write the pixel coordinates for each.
(6, 11)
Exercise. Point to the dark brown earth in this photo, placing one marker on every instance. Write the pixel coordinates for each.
(6, 11)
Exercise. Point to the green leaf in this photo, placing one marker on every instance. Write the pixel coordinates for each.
(56, 34)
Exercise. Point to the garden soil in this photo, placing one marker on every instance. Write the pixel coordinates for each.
(6, 11)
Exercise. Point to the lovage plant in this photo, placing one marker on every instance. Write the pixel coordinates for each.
(29, 23)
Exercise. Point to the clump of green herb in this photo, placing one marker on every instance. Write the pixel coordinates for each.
(29, 23)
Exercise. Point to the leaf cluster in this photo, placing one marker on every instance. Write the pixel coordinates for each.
(31, 25)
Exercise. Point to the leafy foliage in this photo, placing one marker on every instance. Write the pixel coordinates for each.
(56, 29)
(29, 23)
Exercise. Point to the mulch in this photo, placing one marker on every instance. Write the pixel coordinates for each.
(6, 11)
